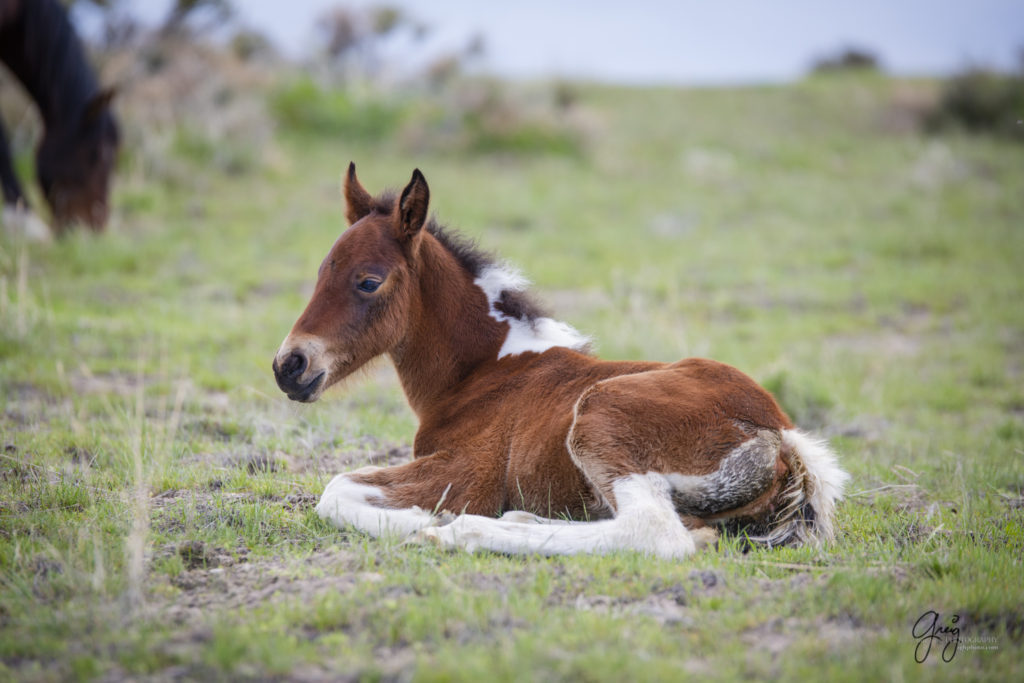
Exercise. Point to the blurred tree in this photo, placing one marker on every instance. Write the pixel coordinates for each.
(353, 39)
(982, 101)
(182, 19)
(847, 59)
(249, 44)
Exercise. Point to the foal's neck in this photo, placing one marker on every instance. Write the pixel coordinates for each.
(450, 334)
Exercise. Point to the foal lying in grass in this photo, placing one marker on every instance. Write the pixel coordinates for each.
(520, 424)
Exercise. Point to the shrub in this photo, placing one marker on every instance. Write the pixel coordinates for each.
(850, 59)
(304, 106)
(981, 101)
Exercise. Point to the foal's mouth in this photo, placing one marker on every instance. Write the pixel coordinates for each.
(308, 392)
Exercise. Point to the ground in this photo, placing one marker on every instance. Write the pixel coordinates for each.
(156, 489)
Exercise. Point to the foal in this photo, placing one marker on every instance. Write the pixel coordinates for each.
(518, 420)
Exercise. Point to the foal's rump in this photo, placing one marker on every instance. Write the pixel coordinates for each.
(726, 449)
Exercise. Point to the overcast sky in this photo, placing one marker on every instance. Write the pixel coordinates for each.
(687, 41)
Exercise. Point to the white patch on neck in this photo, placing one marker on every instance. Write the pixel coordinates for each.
(524, 335)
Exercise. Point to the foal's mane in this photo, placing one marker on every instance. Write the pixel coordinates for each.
(514, 303)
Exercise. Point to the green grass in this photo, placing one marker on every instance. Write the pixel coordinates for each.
(156, 489)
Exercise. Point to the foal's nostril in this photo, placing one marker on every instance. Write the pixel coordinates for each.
(294, 365)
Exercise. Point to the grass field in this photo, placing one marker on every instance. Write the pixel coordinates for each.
(156, 489)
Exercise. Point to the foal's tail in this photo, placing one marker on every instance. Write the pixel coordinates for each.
(808, 500)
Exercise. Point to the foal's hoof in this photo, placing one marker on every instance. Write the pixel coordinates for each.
(427, 536)
(450, 536)
(422, 537)
(521, 517)
(704, 537)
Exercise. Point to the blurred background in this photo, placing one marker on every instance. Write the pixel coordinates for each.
(481, 77)
(651, 41)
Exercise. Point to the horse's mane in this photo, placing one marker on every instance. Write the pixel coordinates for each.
(519, 304)
(42, 50)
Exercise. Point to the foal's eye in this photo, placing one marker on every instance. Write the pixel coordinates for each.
(368, 285)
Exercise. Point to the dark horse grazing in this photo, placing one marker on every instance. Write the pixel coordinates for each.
(76, 156)
(518, 420)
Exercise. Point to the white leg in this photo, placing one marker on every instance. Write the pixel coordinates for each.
(348, 503)
(645, 521)
(23, 222)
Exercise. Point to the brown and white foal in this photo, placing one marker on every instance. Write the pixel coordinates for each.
(522, 432)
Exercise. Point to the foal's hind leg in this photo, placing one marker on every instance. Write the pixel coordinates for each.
(644, 521)
(718, 450)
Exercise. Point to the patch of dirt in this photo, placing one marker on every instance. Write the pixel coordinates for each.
(198, 555)
(249, 584)
(215, 507)
(665, 603)
(262, 464)
(215, 430)
(201, 509)
(337, 461)
(664, 609)
(1013, 502)
(908, 497)
(301, 501)
(775, 636)
(28, 404)
(117, 383)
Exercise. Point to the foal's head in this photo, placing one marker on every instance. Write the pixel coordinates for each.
(74, 163)
(364, 291)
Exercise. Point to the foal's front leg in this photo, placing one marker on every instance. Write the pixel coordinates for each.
(348, 501)
(406, 498)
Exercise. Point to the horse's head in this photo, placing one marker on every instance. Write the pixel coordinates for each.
(74, 163)
(364, 292)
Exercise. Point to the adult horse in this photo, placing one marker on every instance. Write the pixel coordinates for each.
(517, 419)
(76, 156)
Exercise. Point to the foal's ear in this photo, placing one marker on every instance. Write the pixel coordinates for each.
(358, 201)
(412, 207)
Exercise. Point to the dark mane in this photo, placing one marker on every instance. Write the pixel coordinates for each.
(385, 202)
(515, 304)
(466, 251)
(39, 45)
(474, 260)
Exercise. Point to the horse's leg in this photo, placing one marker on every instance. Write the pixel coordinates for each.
(17, 217)
(405, 498)
(8, 180)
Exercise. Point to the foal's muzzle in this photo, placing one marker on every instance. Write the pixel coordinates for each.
(288, 374)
